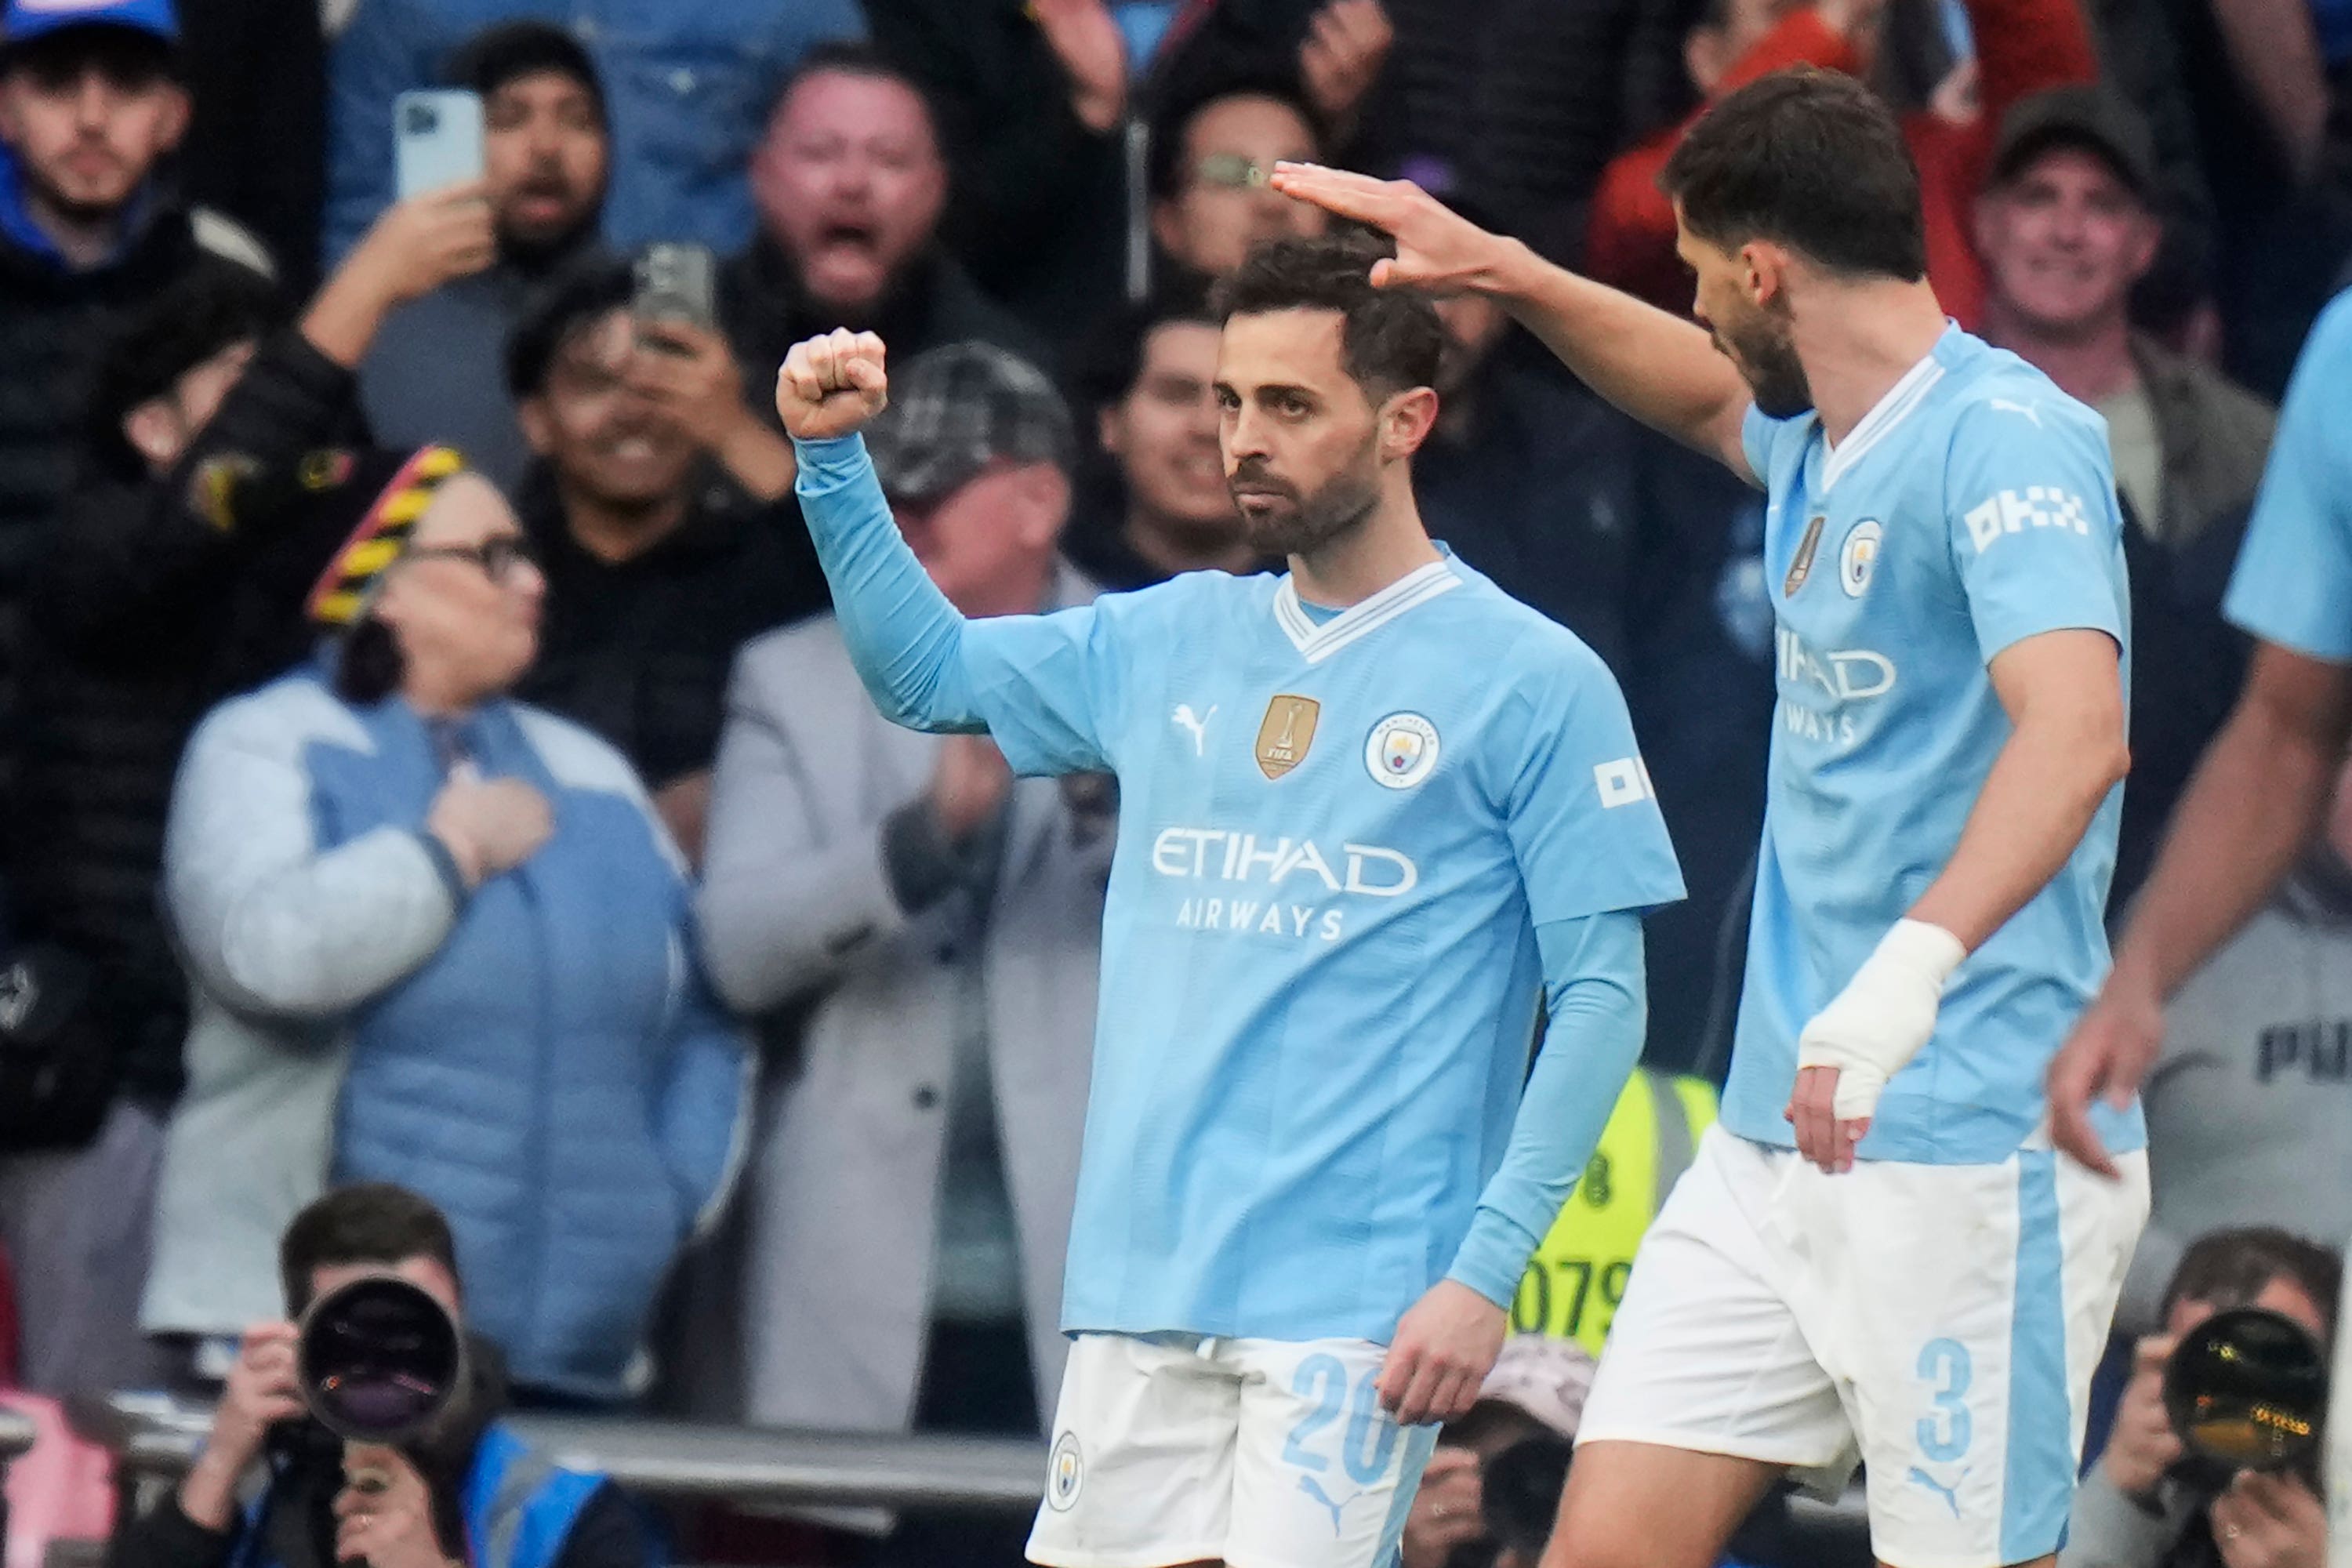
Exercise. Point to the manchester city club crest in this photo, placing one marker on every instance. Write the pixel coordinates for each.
(1068, 1473)
(1287, 730)
(1858, 558)
(1402, 749)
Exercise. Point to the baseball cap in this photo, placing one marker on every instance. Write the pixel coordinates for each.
(1543, 1377)
(2082, 115)
(959, 407)
(22, 21)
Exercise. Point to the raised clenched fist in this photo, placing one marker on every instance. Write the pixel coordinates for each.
(831, 385)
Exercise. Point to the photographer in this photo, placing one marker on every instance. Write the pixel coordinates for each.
(467, 1495)
(2140, 1509)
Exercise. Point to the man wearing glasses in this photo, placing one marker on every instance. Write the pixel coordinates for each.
(1211, 203)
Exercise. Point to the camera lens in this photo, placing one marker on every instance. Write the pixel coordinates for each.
(2247, 1389)
(423, 119)
(380, 1358)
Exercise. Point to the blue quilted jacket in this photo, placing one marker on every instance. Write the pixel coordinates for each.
(540, 1059)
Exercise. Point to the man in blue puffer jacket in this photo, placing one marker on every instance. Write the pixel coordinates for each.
(436, 938)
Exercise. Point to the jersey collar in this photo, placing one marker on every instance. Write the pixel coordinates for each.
(1318, 643)
(1901, 400)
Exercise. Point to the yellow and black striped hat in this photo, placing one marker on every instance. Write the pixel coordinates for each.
(391, 491)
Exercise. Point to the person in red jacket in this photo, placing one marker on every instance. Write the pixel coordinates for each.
(2023, 47)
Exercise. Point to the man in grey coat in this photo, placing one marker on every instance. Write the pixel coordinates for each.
(909, 1203)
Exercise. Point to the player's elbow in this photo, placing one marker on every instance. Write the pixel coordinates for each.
(2093, 738)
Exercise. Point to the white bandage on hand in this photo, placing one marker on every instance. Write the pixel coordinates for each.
(1884, 1015)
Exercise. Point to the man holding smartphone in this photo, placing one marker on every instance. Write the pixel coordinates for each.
(436, 376)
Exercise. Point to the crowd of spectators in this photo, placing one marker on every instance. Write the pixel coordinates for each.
(426, 756)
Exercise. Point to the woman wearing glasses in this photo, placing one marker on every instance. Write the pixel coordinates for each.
(437, 938)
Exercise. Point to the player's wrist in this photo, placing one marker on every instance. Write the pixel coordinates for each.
(1920, 948)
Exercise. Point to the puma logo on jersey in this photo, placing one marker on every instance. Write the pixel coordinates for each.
(2028, 409)
(1198, 723)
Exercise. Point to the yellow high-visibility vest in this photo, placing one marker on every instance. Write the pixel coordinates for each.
(1577, 1278)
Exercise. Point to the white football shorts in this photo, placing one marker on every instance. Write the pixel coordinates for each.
(1172, 1449)
(1937, 1324)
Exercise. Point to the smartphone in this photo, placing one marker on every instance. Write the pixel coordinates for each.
(436, 140)
(674, 283)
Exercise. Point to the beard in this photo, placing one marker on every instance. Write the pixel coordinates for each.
(72, 209)
(1301, 524)
(1766, 359)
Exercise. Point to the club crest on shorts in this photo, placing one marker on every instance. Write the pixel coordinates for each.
(1067, 1473)
(1858, 558)
(1286, 732)
(1402, 749)
(1802, 566)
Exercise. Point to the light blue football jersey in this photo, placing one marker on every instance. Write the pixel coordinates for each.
(2293, 583)
(1973, 508)
(1319, 971)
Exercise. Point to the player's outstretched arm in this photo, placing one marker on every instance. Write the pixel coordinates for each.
(1595, 996)
(1659, 368)
(1032, 681)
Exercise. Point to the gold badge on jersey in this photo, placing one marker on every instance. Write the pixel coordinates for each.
(1285, 733)
(1802, 566)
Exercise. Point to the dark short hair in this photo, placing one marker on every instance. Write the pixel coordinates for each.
(586, 290)
(1111, 359)
(1171, 125)
(374, 1221)
(1809, 159)
(202, 311)
(1390, 338)
(511, 50)
(853, 57)
(2230, 1268)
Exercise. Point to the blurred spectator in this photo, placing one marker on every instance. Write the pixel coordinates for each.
(435, 376)
(2133, 1510)
(154, 599)
(1535, 1394)
(2066, 228)
(2250, 1102)
(88, 104)
(256, 71)
(658, 569)
(850, 183)
(2268, 80)
(467, 1483)
(1211, 205)
(911, 1199)
(1577, 1278)
(690, 83)
(1533, 479)
(1153, 500)
(1330, 57)
(1032, 102)
(1520, 104)
(438, 937)
(2023, 47)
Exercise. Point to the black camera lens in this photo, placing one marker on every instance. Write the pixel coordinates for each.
(2247, 1389)
(423, 120)
(380, 1359)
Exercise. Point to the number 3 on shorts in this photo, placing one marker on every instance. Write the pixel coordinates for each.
(1945, 1436)
(1370, 1436)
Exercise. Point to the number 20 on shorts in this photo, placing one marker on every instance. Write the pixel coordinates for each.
(1370, 1439)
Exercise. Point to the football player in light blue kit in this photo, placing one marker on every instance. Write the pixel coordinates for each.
(1371, 812)
(1877, 1256)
